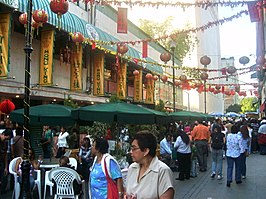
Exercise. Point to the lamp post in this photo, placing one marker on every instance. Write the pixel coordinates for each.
(173, 46)
(25, 167)
(205, 61)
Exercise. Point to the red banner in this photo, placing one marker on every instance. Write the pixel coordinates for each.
(122, 20)
(144, 49)
(253, 10)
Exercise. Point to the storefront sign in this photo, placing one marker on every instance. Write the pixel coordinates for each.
(122, 81)
(46, 58)
(76, 67)
(138, 87)
(4, 43)
(98, 75)
(149, 91)
(122, 20)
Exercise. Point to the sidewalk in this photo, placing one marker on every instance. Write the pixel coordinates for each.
(204, 187)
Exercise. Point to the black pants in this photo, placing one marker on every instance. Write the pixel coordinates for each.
(184, 162)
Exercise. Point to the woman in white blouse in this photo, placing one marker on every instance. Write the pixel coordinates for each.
(62, 142)
(182, 146)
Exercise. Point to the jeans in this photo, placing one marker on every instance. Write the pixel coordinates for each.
(230, 166)
(217, 161)
(202, 151)
(243, 164)
(193, 170)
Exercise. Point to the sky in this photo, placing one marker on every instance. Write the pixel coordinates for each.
(237, 37)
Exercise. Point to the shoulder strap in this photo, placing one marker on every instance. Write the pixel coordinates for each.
(106, 171)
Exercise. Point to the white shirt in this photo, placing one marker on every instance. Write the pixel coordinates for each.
(181, 146)
(62, 139)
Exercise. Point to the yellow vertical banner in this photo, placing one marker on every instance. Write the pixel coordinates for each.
(98, 74)
(138, 87)
(122, 81)
(46, 57)
(76, 67)
(4, 43)
(149, 91)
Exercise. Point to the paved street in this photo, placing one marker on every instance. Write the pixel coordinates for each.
(203, 187)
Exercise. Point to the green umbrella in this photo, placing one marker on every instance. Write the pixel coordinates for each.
(47, 114)
(122, 113)
(189, 116)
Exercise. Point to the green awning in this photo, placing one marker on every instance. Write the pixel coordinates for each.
(72, 23)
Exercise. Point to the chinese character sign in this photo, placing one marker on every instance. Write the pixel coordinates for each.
(46, 58)
(138, 87)
(4, 46)
(149, 91)
(76, 67)
(122, 81)
(98, 74)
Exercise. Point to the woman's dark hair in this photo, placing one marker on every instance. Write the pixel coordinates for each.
(146, 140)
(234, 129)
(244, 132)
(32, 153)
(183, 136)
(19, 131)
(101, 145)
(88, 142)
(218, 127)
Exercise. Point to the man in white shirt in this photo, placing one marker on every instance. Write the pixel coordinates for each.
(166, 149)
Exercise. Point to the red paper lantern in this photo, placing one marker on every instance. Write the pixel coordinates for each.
(231, 70)
(23, 19)
(59, 7)
(136, 72)
(211, 89)
(35, 25)
(204, 76)
(155, 77)
(7, 106)
(164, 78)
(183, 78)
(149, 76)
(40, 16)
(77, 37)
(205, 60)
(122, 48)
(165, 57)
(178, 83)
(216, 91)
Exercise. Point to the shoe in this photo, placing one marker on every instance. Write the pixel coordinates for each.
(181, 179)
(243, 177)
(238, 182)
(219, 177)
(213, 175)
(228, 184)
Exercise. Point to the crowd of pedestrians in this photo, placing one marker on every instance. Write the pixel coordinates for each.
(185, 146)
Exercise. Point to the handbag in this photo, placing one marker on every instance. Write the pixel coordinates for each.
(112, 190)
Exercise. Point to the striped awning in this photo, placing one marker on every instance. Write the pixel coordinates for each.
(70, 22)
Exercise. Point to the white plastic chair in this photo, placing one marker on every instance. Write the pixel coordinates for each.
(12, 170)
(63, 178)
(49, 183)
(73, 162)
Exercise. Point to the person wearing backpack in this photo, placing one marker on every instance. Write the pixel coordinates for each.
(217, 141)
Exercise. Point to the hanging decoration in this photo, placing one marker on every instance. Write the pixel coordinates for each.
(244, 60)
(35, 26)
(155, 77)
(149, 76)
(165, 57)
(23, 19)
(135, 72)
(201, 4)
(77, 37)
(231, 70)
(205, 60)
(40, 17)
(7, 106)
(183, 78)
(122, 48)
(204, 76)
(59, 7)
(65, 55)
(164, 78)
